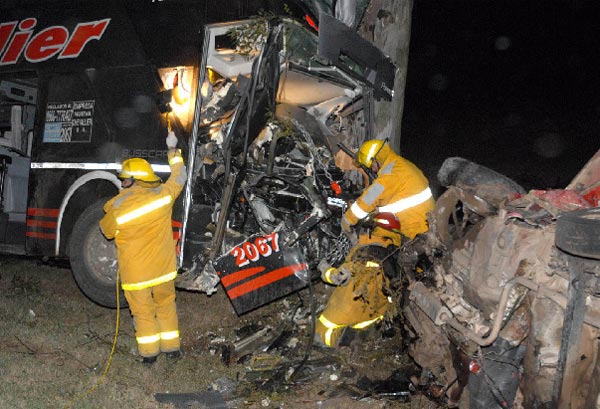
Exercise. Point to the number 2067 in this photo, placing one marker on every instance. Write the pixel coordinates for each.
(252, 251)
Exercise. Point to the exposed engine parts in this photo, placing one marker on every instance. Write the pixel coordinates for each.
(504, 311)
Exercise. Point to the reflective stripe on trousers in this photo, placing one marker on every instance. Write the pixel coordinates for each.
(149, 339)
(150, 283)
(330, 328)
(333, 326)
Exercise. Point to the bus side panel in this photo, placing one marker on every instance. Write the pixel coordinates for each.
(91, 120)
(101, 117)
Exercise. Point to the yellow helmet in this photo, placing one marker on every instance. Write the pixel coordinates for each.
(368, 151)
(138, 169)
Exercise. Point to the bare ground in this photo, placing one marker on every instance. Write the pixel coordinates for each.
(55, 344)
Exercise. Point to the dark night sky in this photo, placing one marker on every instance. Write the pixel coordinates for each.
(513, 85)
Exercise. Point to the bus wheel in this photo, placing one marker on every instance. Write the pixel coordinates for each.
(94, 259)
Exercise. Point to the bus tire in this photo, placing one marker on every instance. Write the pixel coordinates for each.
(578, 232)
(94, 259)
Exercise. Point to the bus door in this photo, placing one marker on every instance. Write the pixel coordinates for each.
(18, 98)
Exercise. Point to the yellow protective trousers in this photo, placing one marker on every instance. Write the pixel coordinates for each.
(358, 304)
(155, 318)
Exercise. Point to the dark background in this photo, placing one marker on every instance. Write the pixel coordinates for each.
(512, 85)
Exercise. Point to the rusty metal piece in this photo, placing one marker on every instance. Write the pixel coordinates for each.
(517, 328)
(461, 365)
(264, 362)
(572, 327)
(431, 349)
(498, 320)
(430, 303)
(445, 208)
(436, 391)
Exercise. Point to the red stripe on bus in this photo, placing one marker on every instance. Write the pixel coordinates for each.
(36, 211)
(40, 235)
(177, 224)
(264, 280)
(41, 223)
(241, 275)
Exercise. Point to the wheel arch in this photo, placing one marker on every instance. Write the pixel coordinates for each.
(83, 192)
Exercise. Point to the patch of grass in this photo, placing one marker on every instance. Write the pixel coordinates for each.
(24, 285)
(55, 343)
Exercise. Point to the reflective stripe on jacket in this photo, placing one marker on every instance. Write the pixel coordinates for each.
(400, 188)
(139, 219)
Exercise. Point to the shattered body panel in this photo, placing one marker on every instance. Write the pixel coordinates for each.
(501, 284)
(267, 163)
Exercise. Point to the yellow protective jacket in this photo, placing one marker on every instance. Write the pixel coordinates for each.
(400, 188)
(139, 219)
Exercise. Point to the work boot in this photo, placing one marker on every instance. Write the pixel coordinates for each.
(349, 334)
(148, 361)
(174, 355)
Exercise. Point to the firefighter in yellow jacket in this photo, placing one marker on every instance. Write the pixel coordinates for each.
(139, 219)
(401, 189)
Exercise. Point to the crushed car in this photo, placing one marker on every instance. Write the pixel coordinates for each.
(500, 297)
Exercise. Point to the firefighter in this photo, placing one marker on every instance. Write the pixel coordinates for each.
(400, 188)
(139, 219)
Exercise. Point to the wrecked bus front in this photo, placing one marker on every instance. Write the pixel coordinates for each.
(268, 170)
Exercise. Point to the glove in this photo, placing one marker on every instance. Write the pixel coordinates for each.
(336, 276)
(340, 276)
(171, 140)
(355, 177)
(346, 228)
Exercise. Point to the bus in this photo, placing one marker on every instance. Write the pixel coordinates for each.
(85, 85)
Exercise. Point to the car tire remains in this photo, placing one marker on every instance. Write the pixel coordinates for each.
(578, 232)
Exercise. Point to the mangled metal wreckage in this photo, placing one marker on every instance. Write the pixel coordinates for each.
(266, 188)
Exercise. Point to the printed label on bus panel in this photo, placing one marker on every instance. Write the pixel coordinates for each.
(69, 122)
